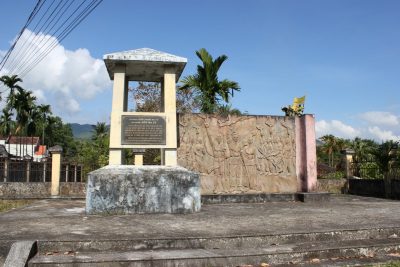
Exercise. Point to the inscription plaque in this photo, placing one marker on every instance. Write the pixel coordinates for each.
(143, 130)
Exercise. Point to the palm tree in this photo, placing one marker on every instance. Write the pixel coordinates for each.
(24, 104)
(384, 155)
(329, 147)
(209, 88)
(11, 83)
(44, 111)
(100, 130)
(6, 122)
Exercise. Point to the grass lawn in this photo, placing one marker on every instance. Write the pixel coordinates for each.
(392, 264)
(11, 204)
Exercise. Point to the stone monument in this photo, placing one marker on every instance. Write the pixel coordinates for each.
(119, 188)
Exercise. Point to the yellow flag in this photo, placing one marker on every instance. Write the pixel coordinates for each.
(297, 102)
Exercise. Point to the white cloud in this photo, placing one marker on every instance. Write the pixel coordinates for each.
(64, 77)
(336, 128)
(382, 135)
(380, 118)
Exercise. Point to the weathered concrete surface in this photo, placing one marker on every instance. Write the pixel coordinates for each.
(124, 189)
(272, 254)
(20, 253)
(336, 186)
(65, 220)
(16, 190)
(314, 196)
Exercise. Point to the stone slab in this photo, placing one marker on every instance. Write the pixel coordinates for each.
(20, 253)
(119, 189)
(314, 197)
(273, 254)
(248, 198)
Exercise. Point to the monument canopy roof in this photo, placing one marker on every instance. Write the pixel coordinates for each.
(144, 64)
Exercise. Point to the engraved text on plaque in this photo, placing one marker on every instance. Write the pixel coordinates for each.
(143, 130)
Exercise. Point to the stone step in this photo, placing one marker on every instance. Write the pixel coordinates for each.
(217, 242)
(272, 255)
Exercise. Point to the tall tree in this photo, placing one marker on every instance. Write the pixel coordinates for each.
(205, 82)
(100, 130)
(329, 146)
(147, 98)
(11, 82)
(6, 122)
(44, 111)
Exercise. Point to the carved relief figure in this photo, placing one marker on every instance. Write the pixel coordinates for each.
(239, 153)
(235, 162)
(249, 157)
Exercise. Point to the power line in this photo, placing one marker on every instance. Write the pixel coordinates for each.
(36, 47)
(15, 57)
(30, 18)
(19, 63)
(78, 19)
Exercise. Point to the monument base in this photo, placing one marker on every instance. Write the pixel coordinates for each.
(124, 189)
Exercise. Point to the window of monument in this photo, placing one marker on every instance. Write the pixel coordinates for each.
(144, 96)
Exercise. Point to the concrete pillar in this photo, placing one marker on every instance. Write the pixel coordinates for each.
(66, 173)
(55, 169)
(75, 172)
(347, 155)
(28, 171)
(306, 153)
(170, 157)
(6, 162)
(119, 105)
(138, 153)
(44, 171)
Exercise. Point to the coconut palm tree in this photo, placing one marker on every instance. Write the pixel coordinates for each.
(209, 88)
(44, 111)
(329, 147)
(6, 123)
(24, 104)
(11, 82)
(100, 130)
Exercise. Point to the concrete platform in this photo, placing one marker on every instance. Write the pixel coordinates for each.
(62, 225)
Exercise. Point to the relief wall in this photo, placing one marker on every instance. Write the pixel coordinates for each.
(239, 154)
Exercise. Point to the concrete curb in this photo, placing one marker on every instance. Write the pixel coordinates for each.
(20, 253)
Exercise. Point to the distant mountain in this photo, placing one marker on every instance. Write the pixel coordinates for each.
(82, 131)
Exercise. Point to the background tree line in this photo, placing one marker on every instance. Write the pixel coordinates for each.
(376, 159)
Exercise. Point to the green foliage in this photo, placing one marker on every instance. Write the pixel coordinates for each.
(370, 160)
(289, 111)
(147, 98)
(93, 153)
(329, 152)
(225, 110)
(6, 205)
(24, 117)
(210, 91)
(333, 175)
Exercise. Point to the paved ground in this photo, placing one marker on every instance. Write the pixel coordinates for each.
(66, 220)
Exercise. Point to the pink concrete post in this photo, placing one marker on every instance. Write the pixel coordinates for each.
(306, 153)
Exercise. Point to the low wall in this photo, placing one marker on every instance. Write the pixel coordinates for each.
(336, 186)
(396, 189)
(40, 190)
(367, 187)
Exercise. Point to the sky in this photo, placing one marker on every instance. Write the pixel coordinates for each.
(344, 55)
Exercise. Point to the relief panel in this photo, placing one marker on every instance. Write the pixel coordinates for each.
(239, 154)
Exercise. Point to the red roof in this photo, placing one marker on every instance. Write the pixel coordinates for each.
(26, 140)
(41, 150)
